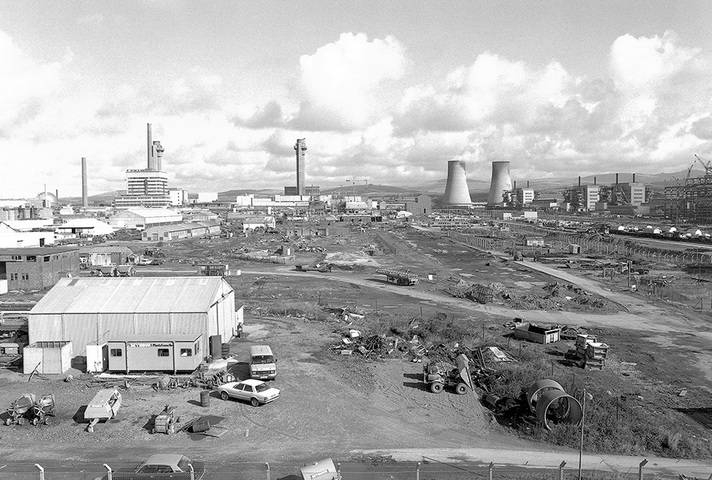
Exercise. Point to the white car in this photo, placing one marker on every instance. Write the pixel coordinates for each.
(256, 392)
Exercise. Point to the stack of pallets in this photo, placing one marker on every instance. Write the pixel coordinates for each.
(591, 352)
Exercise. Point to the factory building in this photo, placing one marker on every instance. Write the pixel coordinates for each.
(147, 187)
(37, 268)
(97, 311)
(420, 205)
(180, 231)
(142, 218)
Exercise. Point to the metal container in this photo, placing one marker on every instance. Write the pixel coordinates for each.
(205, 398)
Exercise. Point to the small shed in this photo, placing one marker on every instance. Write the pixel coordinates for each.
(97, 357)
(536, 333)
(533, 241)
(155, 353)
(53, 357)
(10, 349)
(574, 248)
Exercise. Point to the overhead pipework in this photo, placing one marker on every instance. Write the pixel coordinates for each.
(456, 190)
(501, 182)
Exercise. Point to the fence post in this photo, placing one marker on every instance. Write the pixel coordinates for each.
(417, 471)
(489, 474)
(640, 469)
(561, 470)
(268, 472)
(109, 473)
(42, 477)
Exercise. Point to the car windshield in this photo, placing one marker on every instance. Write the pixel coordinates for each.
(261, 359)
(261, 387)
(183, 464)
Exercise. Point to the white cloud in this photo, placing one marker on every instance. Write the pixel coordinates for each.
(339, 80)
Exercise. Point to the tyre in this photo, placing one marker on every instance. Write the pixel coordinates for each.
(46, 420)
(436, 387)
(461, 389)
(254, 402)
(20, 421)
(224, 395)
(34, 421)
(8, 422)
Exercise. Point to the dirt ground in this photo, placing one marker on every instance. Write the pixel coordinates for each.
(335, 405)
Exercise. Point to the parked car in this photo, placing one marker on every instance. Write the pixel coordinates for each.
(256, 392)
(162, 466)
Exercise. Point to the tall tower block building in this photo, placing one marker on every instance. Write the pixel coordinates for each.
(501, 182)
(301, 147)
(456, 190)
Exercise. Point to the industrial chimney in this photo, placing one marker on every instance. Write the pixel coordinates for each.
(149, 149)
(500, 183)
(634, 178)
(456, 191)
(85, 198)
(300, 148)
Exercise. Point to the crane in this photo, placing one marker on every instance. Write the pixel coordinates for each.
(707, 166)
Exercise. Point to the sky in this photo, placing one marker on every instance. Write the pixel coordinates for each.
(384, 92)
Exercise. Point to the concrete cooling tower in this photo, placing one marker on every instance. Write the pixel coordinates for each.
(501, 182)
(456, 191)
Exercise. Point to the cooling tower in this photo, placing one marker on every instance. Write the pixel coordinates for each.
(501, 182)
(456, 191)
(85, 197)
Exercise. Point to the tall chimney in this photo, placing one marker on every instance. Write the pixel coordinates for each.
(514, 185)
(527, 183)
(616, 179)
(149, 148)
(579, 181)
(634, 178)
(456, 190)
(45, 203)
(158, 155)
(594, 180)
(85, 197)
(56, 193)
(501, 182)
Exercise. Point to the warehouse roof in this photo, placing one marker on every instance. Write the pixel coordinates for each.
(96, 295)
(154, 212)
(179, 227)
(37, 251)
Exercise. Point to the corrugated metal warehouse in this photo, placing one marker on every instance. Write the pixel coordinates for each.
(95, 310)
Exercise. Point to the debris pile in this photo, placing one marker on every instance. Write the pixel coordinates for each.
(590, 352)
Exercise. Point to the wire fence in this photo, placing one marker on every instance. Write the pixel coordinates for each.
(428, 469)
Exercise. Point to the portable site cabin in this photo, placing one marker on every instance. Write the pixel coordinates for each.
(535, 333)
(146, 353)
(97, 309)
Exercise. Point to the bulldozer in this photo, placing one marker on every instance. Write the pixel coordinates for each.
(437, 377)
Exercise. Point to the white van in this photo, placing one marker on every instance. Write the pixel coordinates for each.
(263, 365)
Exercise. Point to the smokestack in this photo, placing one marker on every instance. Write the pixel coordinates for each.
(501, 181)
(56, 193)
(45, 203)
(634, 178)
(149, 148)
(456, 191)
(158, 155)
(85, 197)
(594, 180)
(514, 185)
(579, 181)
(300, 148)
(616, 179)
(527, 183)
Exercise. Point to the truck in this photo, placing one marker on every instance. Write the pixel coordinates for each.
(399, 277)
(437, 377)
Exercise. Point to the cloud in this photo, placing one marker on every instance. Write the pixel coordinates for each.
(338, 82)
(267, 116)
(702, 128)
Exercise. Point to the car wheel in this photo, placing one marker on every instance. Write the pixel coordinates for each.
(461, 389)
(224, 395)
(436, 387)
(254, 402)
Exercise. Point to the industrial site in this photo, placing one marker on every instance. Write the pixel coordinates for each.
(403, 240)
(341, 326)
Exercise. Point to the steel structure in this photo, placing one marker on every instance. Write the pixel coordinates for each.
(692, 200)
